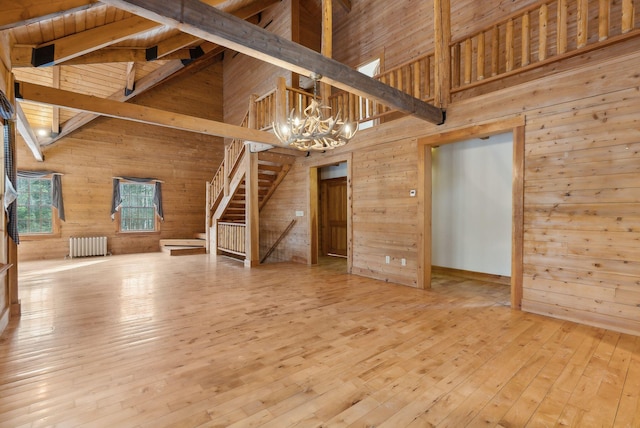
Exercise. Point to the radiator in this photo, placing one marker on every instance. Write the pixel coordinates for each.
(87, 246)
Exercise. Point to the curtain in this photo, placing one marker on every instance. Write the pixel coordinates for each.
(116, 199)
(11, 179)
(56, 187)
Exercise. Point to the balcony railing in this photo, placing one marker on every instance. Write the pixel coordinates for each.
(546, 32)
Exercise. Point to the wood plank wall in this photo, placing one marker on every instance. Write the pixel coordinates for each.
(108, 147)
(5, 80)
(245, 76)
(582, 203)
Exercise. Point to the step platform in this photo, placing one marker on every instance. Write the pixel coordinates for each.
(183, 247)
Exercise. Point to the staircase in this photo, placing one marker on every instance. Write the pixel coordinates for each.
(246, 180)
(229, 198)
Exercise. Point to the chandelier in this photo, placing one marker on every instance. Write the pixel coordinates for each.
(314, 131)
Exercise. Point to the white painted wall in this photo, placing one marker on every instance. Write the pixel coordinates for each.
(472, 204)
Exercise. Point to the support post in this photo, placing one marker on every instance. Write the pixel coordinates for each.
(442, 29)
(252, 214)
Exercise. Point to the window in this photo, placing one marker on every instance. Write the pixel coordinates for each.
(371, 69)
(35, 213)
(137, 211)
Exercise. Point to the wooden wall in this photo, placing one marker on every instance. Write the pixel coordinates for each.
(582, 180)
(245, 76)
(90, 157)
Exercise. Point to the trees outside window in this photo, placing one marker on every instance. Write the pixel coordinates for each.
(137, 212)
(35, 213)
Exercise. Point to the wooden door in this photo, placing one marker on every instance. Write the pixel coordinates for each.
(333, 213)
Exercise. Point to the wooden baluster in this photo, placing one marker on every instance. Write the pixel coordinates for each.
(392, 79)
(400, 80)
(627, 16)
(495, 51)
(583, 23)
(561, 43)
(353, 105)
(427, 78)
(455, 72)
(509, 46)
(543, 26)
(416, 79)
(526, 40)
(603, 19)
(480, 57)
(468, 59)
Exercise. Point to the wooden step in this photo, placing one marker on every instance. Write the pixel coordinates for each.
(201, 235)
(183, 251)
(183, 242)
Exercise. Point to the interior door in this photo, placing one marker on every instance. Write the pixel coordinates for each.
(333, 222)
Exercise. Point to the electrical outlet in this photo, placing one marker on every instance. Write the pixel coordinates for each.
(404, 262)
(299, 213)
(387, 259)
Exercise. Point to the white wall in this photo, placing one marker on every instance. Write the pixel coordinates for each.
(472, 205)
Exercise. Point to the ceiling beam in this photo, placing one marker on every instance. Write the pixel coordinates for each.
(16, 13)
(184, 40)
(26, 131)
(60, 50)
(141, 114)
(209, 23)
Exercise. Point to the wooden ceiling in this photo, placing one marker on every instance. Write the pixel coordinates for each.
(93, 48)
(117, 49)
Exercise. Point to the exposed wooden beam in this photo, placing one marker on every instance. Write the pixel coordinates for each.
(55, 114)
(29, 137)
(60, 50)
(183, 40)
(130, 79)
(127, 111)
(16, 13)
(209, 23)
(171, 69)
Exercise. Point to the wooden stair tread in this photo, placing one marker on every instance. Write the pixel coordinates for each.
(183, 251)
(193, 242)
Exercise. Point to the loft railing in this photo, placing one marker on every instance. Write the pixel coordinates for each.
(546, 32)
(277, 104)
(414, 78)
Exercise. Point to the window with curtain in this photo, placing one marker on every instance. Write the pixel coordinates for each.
(35, 212)
(137, 212)
(136, 204)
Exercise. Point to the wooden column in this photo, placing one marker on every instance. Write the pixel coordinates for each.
(442, 29)
(326, 47)
(252, 214)
(424, 216)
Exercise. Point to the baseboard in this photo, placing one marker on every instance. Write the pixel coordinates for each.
(486, 277)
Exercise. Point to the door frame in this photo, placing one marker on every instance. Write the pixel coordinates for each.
(514, 125)
(313, 204)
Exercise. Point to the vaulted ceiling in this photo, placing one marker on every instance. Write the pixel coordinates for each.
(66, 50)
(106, 52)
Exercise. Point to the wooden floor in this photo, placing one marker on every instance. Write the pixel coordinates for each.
(156, 341)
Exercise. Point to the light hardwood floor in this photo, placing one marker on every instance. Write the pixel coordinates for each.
(155, 341)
